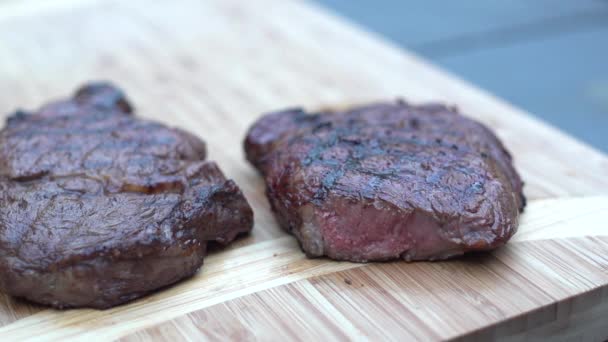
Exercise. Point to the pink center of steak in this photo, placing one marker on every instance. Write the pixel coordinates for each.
(386, 181)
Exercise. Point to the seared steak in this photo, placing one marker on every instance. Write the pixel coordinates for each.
(387, 181)
(98, 207)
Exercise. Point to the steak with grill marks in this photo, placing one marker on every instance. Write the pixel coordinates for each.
(387, 181)
(98, 207)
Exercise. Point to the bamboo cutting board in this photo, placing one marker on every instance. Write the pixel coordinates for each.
(213, 67)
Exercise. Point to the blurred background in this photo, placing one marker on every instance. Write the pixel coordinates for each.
(549, 57)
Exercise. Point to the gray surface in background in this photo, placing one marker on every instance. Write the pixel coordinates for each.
(549, 57)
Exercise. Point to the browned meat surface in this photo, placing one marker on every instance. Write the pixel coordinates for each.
(387, 181)
(98, 207)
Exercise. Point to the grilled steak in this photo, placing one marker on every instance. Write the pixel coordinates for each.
(98, 207)
(387, 181)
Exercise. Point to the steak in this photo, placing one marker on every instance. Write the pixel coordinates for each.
(387, 181)
(98, 207)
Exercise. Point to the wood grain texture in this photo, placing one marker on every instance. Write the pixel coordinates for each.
(212, 67)
(528, 286)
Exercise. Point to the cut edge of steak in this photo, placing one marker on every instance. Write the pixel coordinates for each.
(100, 207)
(387, 181)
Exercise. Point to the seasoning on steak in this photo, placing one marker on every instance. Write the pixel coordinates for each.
(387, 181)
(98, 207)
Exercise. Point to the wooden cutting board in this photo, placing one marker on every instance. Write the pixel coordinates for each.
(213, 67)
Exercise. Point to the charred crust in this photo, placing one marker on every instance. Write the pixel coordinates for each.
(394, 158)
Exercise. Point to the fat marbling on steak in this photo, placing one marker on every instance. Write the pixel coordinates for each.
(387, 181)
(98, 207)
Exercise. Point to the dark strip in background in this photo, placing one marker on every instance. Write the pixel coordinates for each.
(549, 57)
